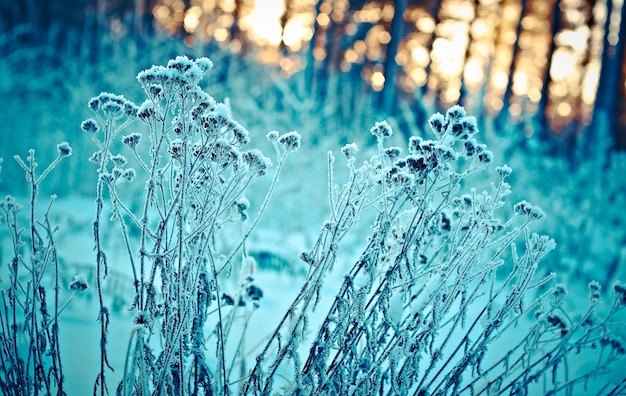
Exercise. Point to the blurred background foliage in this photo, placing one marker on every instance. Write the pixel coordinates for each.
(545, 78)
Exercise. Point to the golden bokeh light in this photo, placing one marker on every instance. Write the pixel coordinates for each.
(492, 53)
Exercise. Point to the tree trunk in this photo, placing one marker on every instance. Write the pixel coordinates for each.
(388, 97)
(610, 90)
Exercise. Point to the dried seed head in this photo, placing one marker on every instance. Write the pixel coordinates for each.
(290, 141)
(436, 122)
(89, 126)
(381, 130)
(349, 151)
(118, 160)
(64, 148)
(272, 136)
(131, 140)
(79, 283)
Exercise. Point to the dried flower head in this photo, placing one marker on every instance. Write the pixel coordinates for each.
(79, 283)
(290, 141)
(504, 171)
(349, 151)
(393, 152)
(94, 104)
(118, 160)
(129, 174)
(256, 160)
(96, 157)
(436, 123)
(131, 140)
(64, 148)
(485, 156)
(205, 64)
(241, 135)
(414, 144)
(455, 113)
(242, 205)
(381, 130)
(180, 63)
(272, 136)
(89, 125)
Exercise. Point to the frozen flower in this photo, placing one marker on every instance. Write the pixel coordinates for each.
(205, 64)
(96, 157)
(415, 163)
(381, 130)
(176, 148)
(180, 63)
(349, 151)
(414, 144)
(455, 113)
(614, 343)
(117, 173)
(89, 126)
(254, 293)
(470, 126)
(94, 104)
(504, 171)
(522, 208)
(470, 147)
(560, 291)
(241, 135)
(427, 146)
(525, 208)
(146, 110)
(129, 174)
(485, 156)
(445, 153)
(224, 154)
(242, 205)
(393, 152)
(118, 160)
(256, 160)
(148, 76)
(227, 299)
(64, 148)
(272, 136)
(594, 290)
(131, 140)
(290, 140)
(107, 177)
(79, 283)
(112, 109)
(557, 321)
(436, 123)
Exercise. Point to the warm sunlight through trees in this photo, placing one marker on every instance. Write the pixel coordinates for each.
(543, 57)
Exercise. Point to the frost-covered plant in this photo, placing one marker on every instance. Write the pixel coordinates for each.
(440, 280)
(30, 358)
(196, 175)
(439, 301)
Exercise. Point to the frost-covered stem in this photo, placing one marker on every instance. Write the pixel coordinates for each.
(36, 267)
(56, 358)
(220, 334)
(115, 202)
(101, 261)
(151, 184)
(240, 347)
(13, 301)
(331, 185)
(262, 209)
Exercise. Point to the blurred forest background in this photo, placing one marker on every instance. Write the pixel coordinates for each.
(550, 68)
(545, 78)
